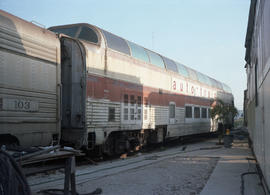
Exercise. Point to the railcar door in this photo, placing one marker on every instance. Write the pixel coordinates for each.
(73, 77)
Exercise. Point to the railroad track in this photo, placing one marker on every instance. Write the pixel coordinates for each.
(33, 167)
(87, 173)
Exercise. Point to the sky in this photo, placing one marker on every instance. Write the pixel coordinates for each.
(206, 35)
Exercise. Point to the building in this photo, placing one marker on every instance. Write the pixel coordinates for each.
(257, 96)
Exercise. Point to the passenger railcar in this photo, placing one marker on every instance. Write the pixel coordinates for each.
(118, 95)
(107, 92)
(29, 83)
(257, 95)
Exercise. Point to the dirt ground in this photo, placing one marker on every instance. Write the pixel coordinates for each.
(178, 175)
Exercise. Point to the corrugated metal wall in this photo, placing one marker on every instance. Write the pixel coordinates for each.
(258, 96)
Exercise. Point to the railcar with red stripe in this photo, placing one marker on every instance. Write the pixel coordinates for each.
(93, 89)
(117, 95)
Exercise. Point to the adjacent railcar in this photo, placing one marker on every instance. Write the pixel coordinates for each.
(257, 95)
(29, 83)
(118, 95)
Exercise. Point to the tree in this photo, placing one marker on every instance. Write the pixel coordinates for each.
(223, 112)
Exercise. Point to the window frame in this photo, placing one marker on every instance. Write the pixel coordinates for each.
(110, 119)
(204, 108)
(195, 117)
(111, 41)
(155, 57)
(93, 29)
(79, 27)
(138, 52)
(190, 106)
(174, 106)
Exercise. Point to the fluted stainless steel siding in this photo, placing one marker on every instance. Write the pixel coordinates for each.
(29, 71)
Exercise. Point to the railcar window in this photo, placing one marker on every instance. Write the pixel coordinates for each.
(155, 59)
(126, 114)
(132, 113)
(116, 43)
(204, 113)
(188, 112)
(202, 78)
(207, 80)
(170, 65)
(209, 113)
(132, 100)
(226, 88)
(182, 70)
(219, 85)
(216, 84)
(172, 110)
(126, 99)
(138, 52)
(88, 34)
(197, 113)
(213, 83)
(70, 31)
(111, 113)
(192, 74)
(139, 114)
(139, 101)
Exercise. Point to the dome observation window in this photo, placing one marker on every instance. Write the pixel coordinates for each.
(116, 43)
(182, 69)
(155, 59)
(170, 65)
(138, 52)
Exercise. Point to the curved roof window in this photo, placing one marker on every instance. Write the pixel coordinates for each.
(155, 59)
(116, 43)
(182, 69)
(88, 34)
(70, 31)
(207, 80)
(170, 65)
(138, 52)
(85, 32)
(226, 88)
(192, 74)
(203, 78)
(220, 86)
(216, 84)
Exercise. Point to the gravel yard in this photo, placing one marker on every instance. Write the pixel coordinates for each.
(196, 168)
(177, 175)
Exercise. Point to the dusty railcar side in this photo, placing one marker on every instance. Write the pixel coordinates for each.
(29, 83)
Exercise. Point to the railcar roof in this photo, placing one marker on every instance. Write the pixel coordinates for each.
(89, 33)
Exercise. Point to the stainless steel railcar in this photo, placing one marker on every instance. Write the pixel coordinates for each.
(29, 83)
(118, 95)
(257, 95)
